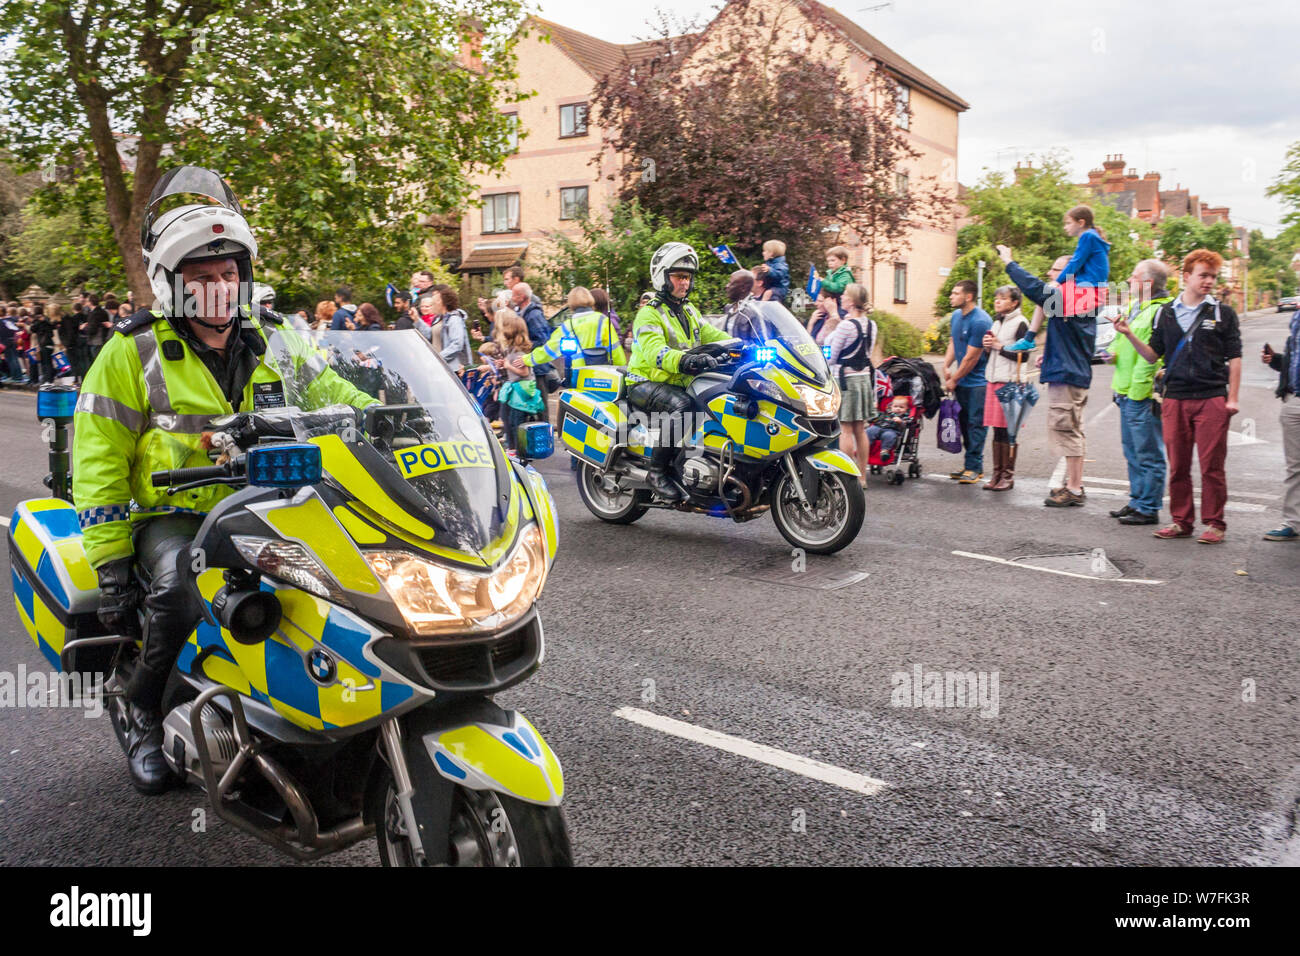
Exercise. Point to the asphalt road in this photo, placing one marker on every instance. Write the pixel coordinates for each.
(1134, 723)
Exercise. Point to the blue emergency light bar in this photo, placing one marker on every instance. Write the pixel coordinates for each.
(283, 466)
(56, 402)
(535, 440)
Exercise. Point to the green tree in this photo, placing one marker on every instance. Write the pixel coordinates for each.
(1025, 212)
(1286, 186)
(339, 125)
(613, 253)
(1181, 235)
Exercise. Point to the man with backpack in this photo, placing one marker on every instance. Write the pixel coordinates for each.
(587, 337)
(1199, 339)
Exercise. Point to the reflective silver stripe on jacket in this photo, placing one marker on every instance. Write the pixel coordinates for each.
(112, 409)
(181, 424)
(146, 344)
(161, 414)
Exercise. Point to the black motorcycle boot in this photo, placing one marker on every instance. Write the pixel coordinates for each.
(658, 479)
(140, 733)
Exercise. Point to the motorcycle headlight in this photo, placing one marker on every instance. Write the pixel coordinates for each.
(436, 599)
(291, 563)
(819, 404)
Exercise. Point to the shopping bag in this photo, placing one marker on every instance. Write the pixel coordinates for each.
(949, 431)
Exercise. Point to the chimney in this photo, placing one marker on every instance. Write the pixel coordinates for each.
(471, 45)
(1023, 171)
(1132, 173)
(1094, 177)
(1151, 176)
(1114, 162)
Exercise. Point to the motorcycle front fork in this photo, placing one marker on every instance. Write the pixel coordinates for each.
(390, 732)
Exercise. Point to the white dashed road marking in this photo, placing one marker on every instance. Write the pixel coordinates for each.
(781, 759)
(1068, 574)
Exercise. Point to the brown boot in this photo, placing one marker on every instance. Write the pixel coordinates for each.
(999, 466)
(1009, 473)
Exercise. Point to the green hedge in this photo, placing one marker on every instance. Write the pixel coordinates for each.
(896, 336)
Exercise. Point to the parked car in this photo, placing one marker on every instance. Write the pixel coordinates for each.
(1288, 303)
(1105, 333)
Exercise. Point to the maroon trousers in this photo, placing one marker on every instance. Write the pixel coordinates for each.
(1203, 423)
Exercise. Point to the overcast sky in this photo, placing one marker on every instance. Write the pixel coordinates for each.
(1205, 93)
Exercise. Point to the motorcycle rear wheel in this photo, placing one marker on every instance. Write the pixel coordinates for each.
(487, 829)
(622, 508)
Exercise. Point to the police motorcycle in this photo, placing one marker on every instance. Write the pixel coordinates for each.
(761, 437)
(365, 592)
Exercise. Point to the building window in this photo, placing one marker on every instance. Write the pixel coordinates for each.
(501, 213)
(900, 282)
(900, 184)
(573, 202)
(512, 132)
(573, 120)
(903, 116)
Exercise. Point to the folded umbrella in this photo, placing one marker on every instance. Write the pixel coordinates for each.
(1016, 399)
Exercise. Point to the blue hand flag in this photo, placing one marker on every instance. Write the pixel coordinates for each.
(389, 292)
(725, 255)
(814, 284)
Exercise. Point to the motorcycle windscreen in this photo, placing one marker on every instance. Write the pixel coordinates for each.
(431, 446)
(772, 322)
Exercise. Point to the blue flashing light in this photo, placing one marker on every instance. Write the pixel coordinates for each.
(283, 466)
(826, 350)
(569, 345)
(56, 401)
(536, 440)
(765, 354)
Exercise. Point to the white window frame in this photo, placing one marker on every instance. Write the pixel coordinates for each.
(586, 199)
(574, 107)
(900, 271)
(500, 213)
(903, 100)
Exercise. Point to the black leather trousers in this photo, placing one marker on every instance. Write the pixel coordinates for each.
(674, 406)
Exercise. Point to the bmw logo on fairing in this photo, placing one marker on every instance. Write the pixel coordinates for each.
(773, 428)
(321, 667)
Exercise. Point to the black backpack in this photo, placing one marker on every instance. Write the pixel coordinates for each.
(857, 355)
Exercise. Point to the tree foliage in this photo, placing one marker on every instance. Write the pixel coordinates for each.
(614, 253)
(339, 125)
(1025, 213)
(759, 137)
(1286, 186)
(1182, 234)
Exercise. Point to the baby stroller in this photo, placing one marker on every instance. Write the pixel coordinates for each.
(917, 381)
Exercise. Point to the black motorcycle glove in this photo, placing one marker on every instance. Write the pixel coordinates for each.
(695, 363)
(119, 596)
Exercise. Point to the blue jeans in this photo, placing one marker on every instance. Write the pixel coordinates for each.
(888, 437)
(973, 430)
(1144, 450)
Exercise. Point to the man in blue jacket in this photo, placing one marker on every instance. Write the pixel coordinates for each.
(1067, 358)
(539, 330)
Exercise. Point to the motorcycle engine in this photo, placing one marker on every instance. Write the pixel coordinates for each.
(700, 474)
(179, 747)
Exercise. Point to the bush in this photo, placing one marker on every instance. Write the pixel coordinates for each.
(937, 335)
(897, 337)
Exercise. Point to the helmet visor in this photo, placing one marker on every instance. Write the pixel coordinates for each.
(186, 181)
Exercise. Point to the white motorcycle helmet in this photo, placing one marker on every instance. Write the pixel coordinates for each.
(263, 294)
(672, 256)
(194, 232)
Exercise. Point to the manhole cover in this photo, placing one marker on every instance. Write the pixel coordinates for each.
(818, 574)
(1092, 563)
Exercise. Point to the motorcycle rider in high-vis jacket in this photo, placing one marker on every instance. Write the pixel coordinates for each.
(660, 368)
(144, 405)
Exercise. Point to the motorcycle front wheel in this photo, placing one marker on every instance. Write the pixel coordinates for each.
(832, 519)
(487, 829)
(619, 506)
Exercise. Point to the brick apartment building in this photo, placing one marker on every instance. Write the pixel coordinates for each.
(560, 170)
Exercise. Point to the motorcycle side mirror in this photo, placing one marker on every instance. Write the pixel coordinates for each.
(535, 440)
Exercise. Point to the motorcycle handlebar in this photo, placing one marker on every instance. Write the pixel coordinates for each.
(183, 476)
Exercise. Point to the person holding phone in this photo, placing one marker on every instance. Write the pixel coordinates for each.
(1287, 364)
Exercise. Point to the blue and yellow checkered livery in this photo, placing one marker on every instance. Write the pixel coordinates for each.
(314, 671)
(589, 426)
(604, 383)
(772, 431)
(54, 585)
